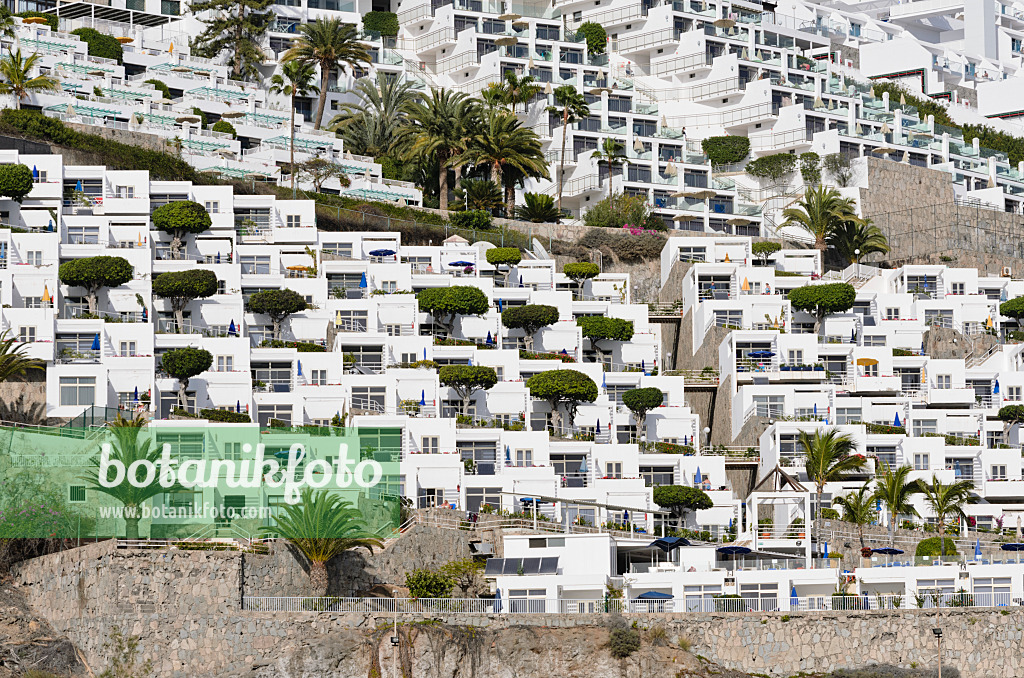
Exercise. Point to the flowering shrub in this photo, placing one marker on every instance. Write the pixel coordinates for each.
(638, 230)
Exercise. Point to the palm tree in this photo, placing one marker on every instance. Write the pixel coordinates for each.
(14, 361)
(378, 125)
(947, 501)
(329, 44)
(520, 89)
(539, 208)
(894, 490)
(613, 153)
(858, 508)
(479, 194)
(441, 123)
(503, 144)
(828, 458)
(294, 80)
(322, 526)
(820, 212)
(862, 235)
(571, 106)
(126, 448)
(16, 73)
(7, 25)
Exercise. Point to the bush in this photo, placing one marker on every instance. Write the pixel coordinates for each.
(1011, 414)
(181, 218)
(1014, 308)
(225, 416)
(52, 20)
(928, 548)
(597, 38)
(725, 150)
(225, 127)
(160, 86)
(539, 209)
(619, 210)
(829, 514)
(472, 220)
(503, 256)
(385, 23)
(113, 154)
(423, 583)
(810, 167)
(15, 181)
(100, 44)
(300, 346)
(839, 166)
(623, 642)
(185, 363)
(765, 249)
(772, 167)
(201, 114)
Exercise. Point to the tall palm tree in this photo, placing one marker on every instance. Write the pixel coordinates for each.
(520, 89)
(571, 106)
(329, 44)
(322, 526)
(502, 143)
(820, 212)
(294, 80)
(828, 457)
(858, 508)
(894, 490)
(379, 124)
(127, 448)
(17, 79)
(14, 361)
(947, 501)
(441, 123)
(862, 235)
(7, 25)
(613, 153)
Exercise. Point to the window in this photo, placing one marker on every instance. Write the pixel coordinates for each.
(318, 377)
(657, 475)
(389, 286)
(796, 357)
(41, 179)
(293, 221)
(125, 192)
(127, 349)
(934, 586)
(943, 381)
(994, 438)
(1013, 393)
(225, 363)
(957, 288)
(34, 258)
(369, 398)
(847, 415)
(280, 411)
(613, 469)
(765, 596)
(874, 340)
(921, 462)
(892, 314)
(232, 451)
(212, 206)
(77, 391)
(26, 334)
(351, 321)
(430, 445)
(992, 592)
(524, 457)
(998, 472)
(922, 426)
(83, 235)
(699, 597)
(76, 494)
(255, 265)
(476, 497)
(183, 503)
(871, 370)
(769, 406)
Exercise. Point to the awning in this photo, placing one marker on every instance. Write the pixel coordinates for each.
(78, 10)
(654, 595)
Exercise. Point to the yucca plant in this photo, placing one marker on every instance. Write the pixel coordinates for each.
(479, 194)
(322, 526)
(539, 208)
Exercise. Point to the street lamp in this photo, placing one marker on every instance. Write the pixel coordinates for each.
(707, 436)
(938, 639)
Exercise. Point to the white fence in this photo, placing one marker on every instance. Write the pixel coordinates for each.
(694, 605)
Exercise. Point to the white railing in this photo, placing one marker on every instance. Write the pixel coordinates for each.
(924, 599)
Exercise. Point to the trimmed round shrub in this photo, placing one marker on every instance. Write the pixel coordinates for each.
(225, 127)
(15, 181)
(930, 547)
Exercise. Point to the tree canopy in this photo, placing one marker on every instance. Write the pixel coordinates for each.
(823, 300)
(15, 181)
(1014, 308)
(504, 256)
(94, 273)
(640, 401)
(181, 218)
(278, 304)
(183, 287)
(467, 379)
(765, 249)
(445, 303)
(598, 328)
(529, 319)
(580, 271)
(679, 498)
(1013, 414)
(567, 388)
(183, 364)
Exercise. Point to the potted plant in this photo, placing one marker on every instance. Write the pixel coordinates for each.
(766, 527)
(797, 528)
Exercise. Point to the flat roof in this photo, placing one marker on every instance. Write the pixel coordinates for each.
(78, 10)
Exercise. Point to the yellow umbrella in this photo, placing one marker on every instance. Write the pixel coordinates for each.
(125, 40)
(46, 294)
(988, 323)
(140, 238)
(745, 286)
(33, 20)
(170, 50)
(864, 362)
(727, 258)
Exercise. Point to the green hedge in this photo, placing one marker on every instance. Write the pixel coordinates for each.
(161, 87)
(774, 167)
(115, 155)
(931, 546)
(725, 150)
(100, 44)
(224, 126)
(385, 23)
(300, 346)
(225, 416)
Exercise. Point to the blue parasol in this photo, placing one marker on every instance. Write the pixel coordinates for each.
(887, 551)
(668, 544)
(78, 186)
(136, 394)
(583, 465)
(1012, 547)
(604, 380)
(896, 422)
(35, 172)
(815, 409)
(794, 601)
(490, 339)
(96, 342)
(216, 259)
(298, 369)
(599, 426)
(825, 552)
(238, 406)
(698, 476)
(381, 253)
(232, 330)
(625, 517)
(995, 388)
(499, 305)
(760, 354)
(508, 456)
(520, 279)
(654, 595)
(497, 600)
(564, 352)
(424, 352)
(362, 281)
(460, 264)
(643, 367)
(423, 397)
(977, 548)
